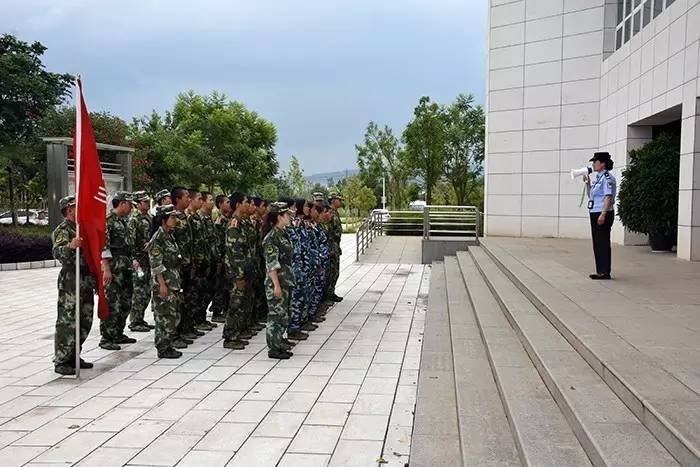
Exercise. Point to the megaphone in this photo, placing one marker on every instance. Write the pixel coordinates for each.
(580, 172)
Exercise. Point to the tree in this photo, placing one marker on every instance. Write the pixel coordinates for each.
(464, 146)
(424, 137)
(359, 196)
(382, 154)
(108, 128)
(296, 180)
(27, 91)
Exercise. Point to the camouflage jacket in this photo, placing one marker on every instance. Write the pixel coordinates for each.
(118, 243)
(61, 237)
(221, 225)
(324, 252)
(236, 256)
(313, 260)
(211, 236)
(200, 247)
(335, 228)
(140, 232)
(251, 233)
(183, 237)
(278, 257)
(166, 259)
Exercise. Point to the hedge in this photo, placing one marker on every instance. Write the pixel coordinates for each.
(19, 247)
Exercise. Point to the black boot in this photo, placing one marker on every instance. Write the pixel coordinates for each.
(169, 353)
(279, 354)
(64, 369)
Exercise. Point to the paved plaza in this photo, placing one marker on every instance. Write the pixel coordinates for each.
(345, 398)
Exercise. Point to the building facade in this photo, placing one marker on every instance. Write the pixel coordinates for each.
(567, 78)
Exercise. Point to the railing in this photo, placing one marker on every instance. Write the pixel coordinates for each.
(367, 231)
(451, 221)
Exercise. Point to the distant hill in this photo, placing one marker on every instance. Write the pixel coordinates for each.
(323, 178)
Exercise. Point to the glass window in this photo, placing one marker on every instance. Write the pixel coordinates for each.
(668, 2)
(658, 7)
(637, 23)
(628, 7)
(620, 11)
(647, 13)
(637, 2)
(627, 29)
(618, 38)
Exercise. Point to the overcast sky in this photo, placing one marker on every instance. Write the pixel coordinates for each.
(319, 69)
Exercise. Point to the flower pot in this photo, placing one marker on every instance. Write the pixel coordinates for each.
(661, 241)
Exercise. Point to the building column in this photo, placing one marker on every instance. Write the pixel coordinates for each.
(689, 179)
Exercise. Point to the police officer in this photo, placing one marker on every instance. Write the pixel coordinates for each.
(602, 190)
(140, 231)
(117, 270)
(65, 243)
(165, 259)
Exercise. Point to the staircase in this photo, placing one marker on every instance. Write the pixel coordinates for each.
(510, 376)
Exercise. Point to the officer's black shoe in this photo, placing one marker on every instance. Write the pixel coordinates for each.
(242, 341)
(246, 335)
(335, 298)
(600, 277)
(107, 345)
(169, 353)
(289, 343)
(234, 345)
(179, 344)
(309, 326)
(190, 336)
(123, 339)
(279, 354)
(85, 365)
(218, 319)
(199, 333)
(64, 369)
(297, 336)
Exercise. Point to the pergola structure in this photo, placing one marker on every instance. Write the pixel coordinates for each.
(116, 162)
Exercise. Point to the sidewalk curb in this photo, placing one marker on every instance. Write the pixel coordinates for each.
(49, 263)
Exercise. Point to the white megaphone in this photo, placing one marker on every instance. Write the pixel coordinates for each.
(580, 172)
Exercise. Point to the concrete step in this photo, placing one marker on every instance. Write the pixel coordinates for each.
(435, 439)
(484, 433)
(542, 435)
(667, 407)
(607, 430)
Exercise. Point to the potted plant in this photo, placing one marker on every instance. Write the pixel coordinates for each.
(648, 197)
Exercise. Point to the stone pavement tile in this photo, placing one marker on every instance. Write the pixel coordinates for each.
(266, 391)
(147, 398)
(281, 375)
(108, 457)
(172, 381)
(194, 366)
(152, 372)
(233, 359)
(15, 456)
(304, 460)
(53, 432)
(315, 439)
(347, 376)
(309, 383)
(295, 402)
(328, 413)
(75, 396)
(329, 356)
(126, 388)
(166, 450)
(249, 411)
(373, 404)
(384, 370)
(388, 357)
(360, 363)
(260, 452)
(139, 434)
(196, 389)
(74, 448)
(196, 422)
(135, 364)
(115, 420)
(373, 385)
(10, 392)
(8, 437)
(352, 453)
(280, 424)
(319, 369)
(398, 440)
(408, 377)
(170, 409)
(367, 427)
(217, 373)
(257, 367)
(21, 404)
(54, 388)
(95, 407)
(34, 418)
(196, 458)
(405, 395)
(226, 437)
(106, 380)
(240, 382)
(339, 393)
(402, 414)
(220, 400)
(299, 361)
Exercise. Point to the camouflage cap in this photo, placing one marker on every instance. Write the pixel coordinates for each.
(123, 196)
(167, 210)
(318, 196)
(140, 196)
(334, 195)
(63, 203)
(161, 194)
(280, 207)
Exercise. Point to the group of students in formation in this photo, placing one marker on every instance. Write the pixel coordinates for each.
(259, 264)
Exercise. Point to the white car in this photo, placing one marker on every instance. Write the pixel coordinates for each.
(417, 205)
(36, 217)
(382, 213)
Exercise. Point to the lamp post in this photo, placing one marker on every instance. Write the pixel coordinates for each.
(384, 192)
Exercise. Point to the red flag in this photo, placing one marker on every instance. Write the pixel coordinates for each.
(90, 198)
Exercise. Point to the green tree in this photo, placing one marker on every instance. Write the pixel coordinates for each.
(382, 154)
(424, 137)
(359, 196)
(296, 180)
(464, 146)
(27, 91)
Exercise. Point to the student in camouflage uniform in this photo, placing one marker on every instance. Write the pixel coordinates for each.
(140, 231)
(117, 269)
(309, 313)
(166, 286)
(321, 216)
(279, 280)
(212, 244)
(236, 258)
(260, 306)
(65, 243)
(201, 256)
(335, 231)
(251, 270)
(162, 198)
(298, 235)
(183, 237)
(222, 285)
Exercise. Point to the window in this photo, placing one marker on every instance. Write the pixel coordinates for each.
(636, 22)
(647, 13)
(668, 2)
(658, 7)
(634, 15)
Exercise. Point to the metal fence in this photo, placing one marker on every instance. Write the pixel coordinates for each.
(451, 221)
(367, 231)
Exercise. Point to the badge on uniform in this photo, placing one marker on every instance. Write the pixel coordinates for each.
(234, 223)
(590, 204)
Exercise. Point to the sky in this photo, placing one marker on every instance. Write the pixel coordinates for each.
(320, 70)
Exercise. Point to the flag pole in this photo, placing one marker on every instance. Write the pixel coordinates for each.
(77, 149)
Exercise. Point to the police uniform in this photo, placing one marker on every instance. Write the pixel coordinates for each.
(602, 186)
(165, 258)
(140, 231)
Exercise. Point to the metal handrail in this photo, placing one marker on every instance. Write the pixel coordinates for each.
(367, 231)
(465, 221)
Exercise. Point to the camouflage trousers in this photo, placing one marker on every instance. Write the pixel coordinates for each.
(260, 305)
(141, 296)
(332, 273)
(220, 298)
(277, 317)
(236, 319)
(298, 303)
(186, 325)
(200, 294)
(167, 317)
(119, 293)
(319, 291)
(64, 339)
